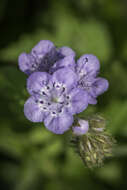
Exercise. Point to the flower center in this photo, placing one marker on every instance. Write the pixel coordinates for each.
(54, 100)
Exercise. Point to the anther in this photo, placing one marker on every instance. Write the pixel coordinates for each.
(86, 59)
(67, 97)
(48, 87)
(63, 89)
(43, 93)
(57, 86)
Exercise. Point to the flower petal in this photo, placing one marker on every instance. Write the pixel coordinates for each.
(91, 100)
(79, 101)
(24, 62)
(63, 63)
(36, 81)
(66, 51)
(32, 111)
(100, 85)
(65, 76)
(89, 64)
(43, 47)
(58, 125)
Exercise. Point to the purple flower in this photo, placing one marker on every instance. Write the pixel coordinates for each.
(42, 57)
(87, 69)
(54, 99)
(82, 128)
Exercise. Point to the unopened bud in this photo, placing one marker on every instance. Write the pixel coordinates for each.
(81, 128)
(95, 144)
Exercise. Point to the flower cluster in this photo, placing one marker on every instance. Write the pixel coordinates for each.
(59, 86)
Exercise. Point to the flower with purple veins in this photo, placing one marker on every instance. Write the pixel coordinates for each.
(42, 57)
(87, 69)
(54, 99)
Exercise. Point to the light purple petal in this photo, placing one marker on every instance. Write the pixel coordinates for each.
(36, 81)
(89, 64)
(79, 101)
(82, 128)
(67, 62)
(100, 85)
(66, 51)
(65, 76)
(58, 125)
(24, 62)
(43, 47)
(91, 100)
(63, 63)
(32, 111)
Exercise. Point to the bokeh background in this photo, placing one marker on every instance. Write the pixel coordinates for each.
(32, 158)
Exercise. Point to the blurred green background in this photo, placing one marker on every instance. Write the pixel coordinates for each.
(32, 158)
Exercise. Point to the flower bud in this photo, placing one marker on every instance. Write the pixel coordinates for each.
(82, 127)
(95, 144)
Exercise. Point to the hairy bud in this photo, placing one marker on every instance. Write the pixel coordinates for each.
(95, 145)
